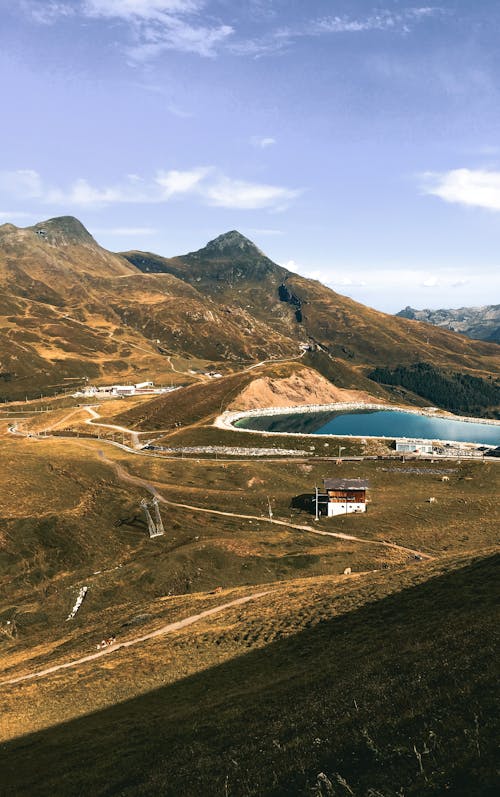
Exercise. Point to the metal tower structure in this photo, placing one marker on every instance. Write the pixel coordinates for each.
(155, 528)
(159, 523)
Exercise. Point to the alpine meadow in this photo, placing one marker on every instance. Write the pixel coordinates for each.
(249, 507)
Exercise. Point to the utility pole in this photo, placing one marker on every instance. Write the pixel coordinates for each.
(317, 503)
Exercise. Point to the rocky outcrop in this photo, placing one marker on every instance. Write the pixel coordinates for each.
(287, 296)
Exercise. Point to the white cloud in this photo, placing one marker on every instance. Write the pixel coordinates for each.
(176, 182)
(22, 184)
(20, 215)
(46, 13)
(473, 187)
(179, 36)
(239, 194)
(156, 25)
(144, 9)
(262, 141)
(205, 182)
(281, 39)
(431, 282)
(382, 20)
(161, 25)
(186, 26)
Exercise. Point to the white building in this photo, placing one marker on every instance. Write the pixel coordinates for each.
(406, 445)
(123, 390)
(142, 385)
(344, 496)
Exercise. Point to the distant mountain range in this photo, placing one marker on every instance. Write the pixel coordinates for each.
(71, 310)
(481, 323)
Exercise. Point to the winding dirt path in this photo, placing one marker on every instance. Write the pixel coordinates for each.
(125, 476)
(93, 421)
(165, 629)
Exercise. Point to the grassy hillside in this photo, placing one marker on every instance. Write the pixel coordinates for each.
(72, 312)
(374, 697)
(198, 402)
(232, 270)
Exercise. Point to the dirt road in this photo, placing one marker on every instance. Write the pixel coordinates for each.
(165, 629)
(94, 421)
(125, 476)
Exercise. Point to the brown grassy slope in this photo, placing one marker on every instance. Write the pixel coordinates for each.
(70, 309)
(358, 697)
(366, 336)
(232, 270)
(280, 384)
(66, 515)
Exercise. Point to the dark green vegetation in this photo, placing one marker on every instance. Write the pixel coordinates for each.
(456, 391)
(376, 695)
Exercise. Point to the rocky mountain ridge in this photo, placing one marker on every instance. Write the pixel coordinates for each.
(71, 311)
(481, 323)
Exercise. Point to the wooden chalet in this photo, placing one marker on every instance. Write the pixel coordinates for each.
(345, 495)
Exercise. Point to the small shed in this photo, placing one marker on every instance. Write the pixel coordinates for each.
(345, 496)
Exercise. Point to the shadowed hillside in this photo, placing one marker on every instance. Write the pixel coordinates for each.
(392, 697)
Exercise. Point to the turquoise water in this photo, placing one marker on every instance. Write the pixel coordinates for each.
(376, 423)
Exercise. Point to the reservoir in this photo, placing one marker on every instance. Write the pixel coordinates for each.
(375, 423)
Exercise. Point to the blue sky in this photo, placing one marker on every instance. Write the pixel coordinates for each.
(356, 143)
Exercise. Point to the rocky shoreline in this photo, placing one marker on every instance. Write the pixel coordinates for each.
(228, 419)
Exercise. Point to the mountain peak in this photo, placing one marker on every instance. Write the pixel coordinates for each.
(408, 312)
(232, 242)
(63, 231)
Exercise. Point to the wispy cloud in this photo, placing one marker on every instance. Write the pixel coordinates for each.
(205, 183)
(143, 9)
(431, 282)
(381, 20)
(188, 25)
(240, 194)
(171, 107)
(281, 39)
(46, 13)
(177, 182)
(18, 215)
(478, 188)
(161, 25)
(21, 184)
(262, 142)
(156, 25)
